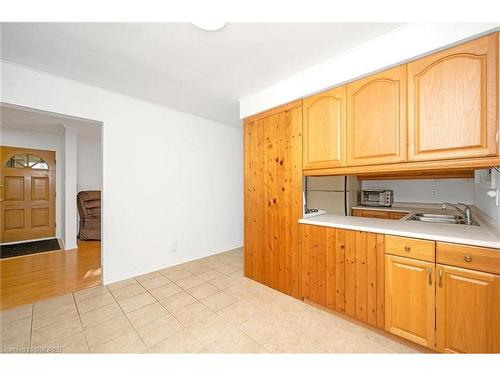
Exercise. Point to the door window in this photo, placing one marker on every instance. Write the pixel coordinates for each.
(26, 161)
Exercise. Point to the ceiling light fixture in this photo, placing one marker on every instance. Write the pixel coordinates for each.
(210, 25)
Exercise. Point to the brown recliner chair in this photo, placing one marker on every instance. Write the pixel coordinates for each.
(89, 207)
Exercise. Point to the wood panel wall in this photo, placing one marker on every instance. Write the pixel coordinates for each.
(343, 270)
(273, 197)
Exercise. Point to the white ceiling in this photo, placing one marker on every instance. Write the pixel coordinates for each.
(177, 64)
(45, 122)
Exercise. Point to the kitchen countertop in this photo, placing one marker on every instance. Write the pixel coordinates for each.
(487, 234)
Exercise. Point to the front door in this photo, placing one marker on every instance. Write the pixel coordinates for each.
(27, 194)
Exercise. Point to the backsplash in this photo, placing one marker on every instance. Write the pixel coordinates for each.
(427, 191)
(482, 183)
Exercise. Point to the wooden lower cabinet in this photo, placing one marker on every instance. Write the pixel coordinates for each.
(467, 318)
(379, 214)
(410, 299)
(343, 270)
(397, 215)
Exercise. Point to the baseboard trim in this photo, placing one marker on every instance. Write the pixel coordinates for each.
(143, 271)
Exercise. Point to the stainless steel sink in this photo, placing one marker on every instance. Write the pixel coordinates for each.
(438, 218)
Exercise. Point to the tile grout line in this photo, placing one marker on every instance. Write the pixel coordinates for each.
(154, 298)
(173, 316)
(217, 312)
(31, 326)
(198, 300)
(81, 323)
(126, 316)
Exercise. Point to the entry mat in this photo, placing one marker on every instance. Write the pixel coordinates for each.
(26, 248)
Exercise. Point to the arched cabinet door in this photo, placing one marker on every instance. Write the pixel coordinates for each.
(376, 118)
(453, 102)
(324, 129)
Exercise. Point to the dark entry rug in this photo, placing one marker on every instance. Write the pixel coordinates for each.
(25, 248)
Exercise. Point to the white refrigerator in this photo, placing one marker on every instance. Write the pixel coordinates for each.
(326, 193)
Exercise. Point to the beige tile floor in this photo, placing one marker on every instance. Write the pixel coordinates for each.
(204, 306)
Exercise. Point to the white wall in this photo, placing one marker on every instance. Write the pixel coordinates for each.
(168, 176)
(41, 141)
(89, 167)
(390, 49)
(420, 191)
(70, 231)
(484, 181)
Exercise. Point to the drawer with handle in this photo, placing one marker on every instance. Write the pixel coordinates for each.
(471, 257)
(410, 248)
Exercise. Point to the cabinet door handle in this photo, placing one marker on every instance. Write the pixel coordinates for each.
(430, 276)
(468, 258)
(440, 278)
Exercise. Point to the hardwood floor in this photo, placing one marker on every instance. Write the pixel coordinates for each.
(31, 278)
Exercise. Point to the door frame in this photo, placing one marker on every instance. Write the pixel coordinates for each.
(64, 117)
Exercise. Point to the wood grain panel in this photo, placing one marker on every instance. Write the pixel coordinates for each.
(471, 257)
(420, 166)
(322, 265)
(361, 275)
(14, 219)
(357, 212)
(294, 155)
(331, 255)
(420, 175)
(464, 304)
(376, 214)
(376, 118)
(380, 214)
(350, 273)
(410, 299)
(371, 278)
(340, 246)
(40, 188)
(324, 129)
(273, 198)
(40, 217)
(410, 248)
(14, 188)
(397, 215)
(453, 102)
(343, 270)
(305, 249)
(495, 331)
(381, 288)
(313, 263)
(318, 265)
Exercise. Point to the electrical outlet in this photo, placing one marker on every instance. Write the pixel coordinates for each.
(173, 247)
(434, 193)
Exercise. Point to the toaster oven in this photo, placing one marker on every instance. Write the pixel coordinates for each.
(378, 198)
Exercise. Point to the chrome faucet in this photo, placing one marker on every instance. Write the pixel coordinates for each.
(466, 211)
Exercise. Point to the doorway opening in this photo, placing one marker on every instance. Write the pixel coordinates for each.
(48, 245)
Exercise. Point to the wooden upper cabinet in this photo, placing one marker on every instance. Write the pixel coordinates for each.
(464, 308)
(452, 102)
(376, 118)
(324, 129)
